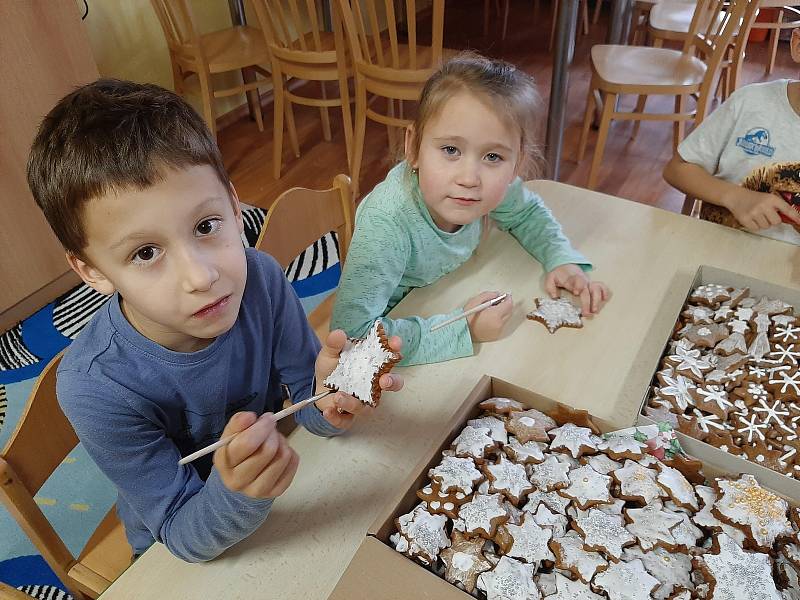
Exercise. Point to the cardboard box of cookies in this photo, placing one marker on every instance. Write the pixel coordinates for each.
(727, 376)
(560, 510)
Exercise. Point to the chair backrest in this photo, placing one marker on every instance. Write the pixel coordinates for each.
(177, 21)
(300, 216)
(376, 38)
(42, 440)
(711, 33)
(292, 24)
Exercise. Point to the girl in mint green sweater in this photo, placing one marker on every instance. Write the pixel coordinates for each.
(464, 153)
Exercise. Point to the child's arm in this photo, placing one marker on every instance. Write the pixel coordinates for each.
(523, 214)
(195, 520)
(754, 210)
(375, 264)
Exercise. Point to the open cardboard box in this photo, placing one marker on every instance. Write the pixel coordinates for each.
(378, 572)
(786, 486)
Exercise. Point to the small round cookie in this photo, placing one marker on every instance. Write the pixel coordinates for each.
(464, 561)
(587, 487)
(604, 533)
(456, 474)
(501, 406)
(527, 542)
(735, 573)
(527, 453)
(677, 487)
(550, 475)
(652, 525)
(573, 439)
(760, 513)
(473, 442)
(637, 483)
(425, 533)
(483, 515)
(571, 555)
(530, 425)
(627, 581)
(508, 478)
(510, 579)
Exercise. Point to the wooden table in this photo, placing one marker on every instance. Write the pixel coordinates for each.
(643, 253)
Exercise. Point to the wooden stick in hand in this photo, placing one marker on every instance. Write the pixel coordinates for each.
(471, 311)
(227, 440)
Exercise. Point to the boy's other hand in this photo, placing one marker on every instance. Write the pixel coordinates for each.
(592, 294)
(340, 409)
(758, 210)
(487, 325)
(258, 462)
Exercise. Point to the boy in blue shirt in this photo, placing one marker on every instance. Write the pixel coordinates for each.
(199, 333)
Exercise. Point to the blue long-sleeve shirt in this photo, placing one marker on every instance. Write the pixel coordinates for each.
(138, 407)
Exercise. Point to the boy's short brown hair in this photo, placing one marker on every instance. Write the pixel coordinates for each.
(111, 135)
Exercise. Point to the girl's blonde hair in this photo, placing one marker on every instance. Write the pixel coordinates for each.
(511, 92)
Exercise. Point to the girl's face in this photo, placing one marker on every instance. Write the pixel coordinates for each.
(467, 158)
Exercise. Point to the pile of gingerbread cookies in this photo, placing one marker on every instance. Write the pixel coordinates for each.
(522, 508)
(730, 376)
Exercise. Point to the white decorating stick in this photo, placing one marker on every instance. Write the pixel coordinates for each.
(471, 311)
(227, 440)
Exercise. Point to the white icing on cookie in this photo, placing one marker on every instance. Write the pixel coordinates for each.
(626, 581)
(509, 580)
(738, 574)
(425, 533)
(556, 313)
(602, 532)
(456, 474)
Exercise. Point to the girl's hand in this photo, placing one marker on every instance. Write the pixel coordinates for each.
(487, 325)
(340, 409)
(593, 294)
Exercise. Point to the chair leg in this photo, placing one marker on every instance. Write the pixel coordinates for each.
(277, 124)
(596, 16)
(773, 44)
(553, 25)
(585, 16)
(347, 119)
(177, 76)
(208, 103)
(679, 128)
(506, 10)
(640, 104)
(391, 132)
(292, 129)
(609, 102)
(323, 113)
(588, 115)
(358, 135)
(658, 42)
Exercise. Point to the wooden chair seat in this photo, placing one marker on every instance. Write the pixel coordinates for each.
(650, 70)
(107, 552)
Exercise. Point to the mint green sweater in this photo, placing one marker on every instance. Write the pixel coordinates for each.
(397, 247)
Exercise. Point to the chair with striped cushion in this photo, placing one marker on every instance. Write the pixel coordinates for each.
(298, 218)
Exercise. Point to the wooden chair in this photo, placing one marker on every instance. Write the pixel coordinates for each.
(42, 440)
(384, 67)
(297, 219)
(9, 593)
(232, 49)
(314, 55)
(648, 71)
(775, 27)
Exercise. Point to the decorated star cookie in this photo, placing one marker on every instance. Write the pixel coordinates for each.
(619, 447)
(508, 478)
(706, 518)
(527, 542)
(571, 555)
(442, 503)
(575, 440)
(483, 514)
(361, 364)
(556, 522)
(550, 475)
(713, 399)
(735, 573)
(456, 474)
(677, 486)
(627, 581)
(473, 442)
(601, 463)
(464, 561)
(652, 525)
(678, 390)
(567, 589)
(510, 579)
(527, 453)
(501, 406)
(530, 425)
(770, 306)
(603, 533)
(587, 487)
(637, 482)
(672, 569)
(710, 294)
(707, 335)
(690, 363)
(552, 500)
(424, 532)
(555, 314)
(497, 428)
(686, 533)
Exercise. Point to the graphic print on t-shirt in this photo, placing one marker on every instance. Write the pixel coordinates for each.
(755, 142)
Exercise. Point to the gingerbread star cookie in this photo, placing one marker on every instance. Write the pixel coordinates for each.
(527, 541)
(652, 525)
(424, 532)
(677, 486)
(456, 474)
(549, 475)
(361, 364)
(627, 581)
(464, 561)
(508, 478)
(637, 482)
(587, 487)
(527, 453)
(575, 440)
(530, 425)
(483, 514)
(734, 573)
(510, 579)
(571, 556)
(566, 589)
(473, 442)
(604, 533)
(555, 314)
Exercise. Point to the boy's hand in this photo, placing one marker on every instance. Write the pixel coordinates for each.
(258, 462)
(593, 294)
(340, 409)
(758, 210)
(487, 325)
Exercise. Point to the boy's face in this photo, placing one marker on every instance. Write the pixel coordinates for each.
(174, 253)
(467, 158)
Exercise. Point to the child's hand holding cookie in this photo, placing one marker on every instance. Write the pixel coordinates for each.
(340, 409)
(593, 294)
